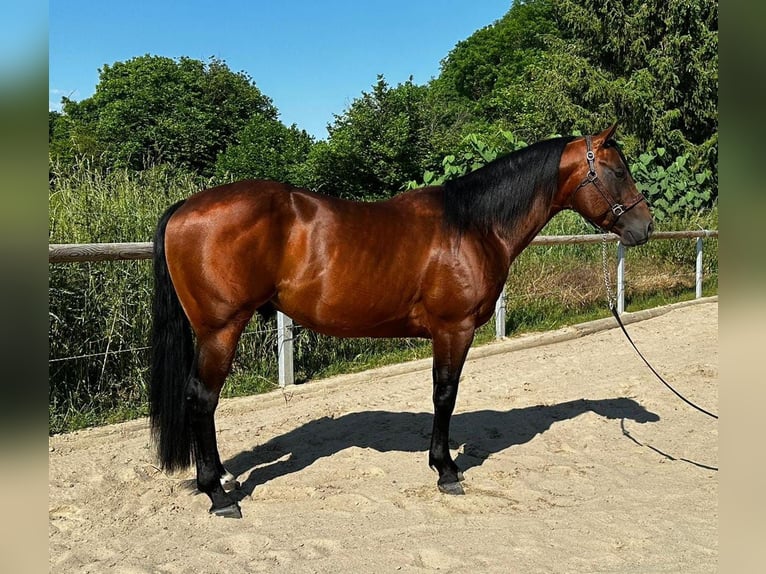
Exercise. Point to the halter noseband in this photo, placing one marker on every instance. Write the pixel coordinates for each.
(616, 208)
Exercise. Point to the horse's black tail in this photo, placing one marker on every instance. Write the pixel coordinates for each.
(171, 363)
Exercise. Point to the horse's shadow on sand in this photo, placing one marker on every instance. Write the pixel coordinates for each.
(482, 433)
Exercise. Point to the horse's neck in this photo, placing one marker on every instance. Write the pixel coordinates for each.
(525, 230)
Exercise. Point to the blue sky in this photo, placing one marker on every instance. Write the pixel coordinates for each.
(313, 58)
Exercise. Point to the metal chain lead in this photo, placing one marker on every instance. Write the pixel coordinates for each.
(607, 277)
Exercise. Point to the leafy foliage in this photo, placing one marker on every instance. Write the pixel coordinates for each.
(266, 149)
(671, 189)
(478, 69)
(376, 145)
(151, 110)
(476, 152)
(565, 66)
(663, 57)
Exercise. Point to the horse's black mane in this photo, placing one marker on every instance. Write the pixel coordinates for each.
(497, 194)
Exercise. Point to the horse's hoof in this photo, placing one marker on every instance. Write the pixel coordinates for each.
(231, 511)
(451, 488)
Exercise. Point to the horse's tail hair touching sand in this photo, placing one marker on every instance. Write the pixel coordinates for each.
(171, 363)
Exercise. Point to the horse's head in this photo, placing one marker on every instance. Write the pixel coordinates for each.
(599, 186)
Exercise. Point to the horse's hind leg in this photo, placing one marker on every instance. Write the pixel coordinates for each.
(215, 352)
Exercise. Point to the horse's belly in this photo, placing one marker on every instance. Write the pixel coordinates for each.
(354, 313)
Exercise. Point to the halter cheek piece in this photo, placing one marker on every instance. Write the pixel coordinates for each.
(616, 209)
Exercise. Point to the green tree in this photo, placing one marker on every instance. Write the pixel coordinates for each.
(59, 137)
(661, 57)
(496, 54)
(375, 146)
(475, 152)
(564, 66)
(153, 109)
(266, 149)
(469, 96)
(71, 135)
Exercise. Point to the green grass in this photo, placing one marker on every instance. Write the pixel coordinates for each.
(99, 306)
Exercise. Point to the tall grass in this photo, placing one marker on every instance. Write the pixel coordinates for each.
(100, 307)
(99, 312)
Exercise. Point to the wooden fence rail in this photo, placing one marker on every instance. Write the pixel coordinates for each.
(92, 252)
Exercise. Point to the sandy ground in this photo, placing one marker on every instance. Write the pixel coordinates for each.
(576, 459)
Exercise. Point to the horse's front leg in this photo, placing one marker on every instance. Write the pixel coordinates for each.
(450, 350)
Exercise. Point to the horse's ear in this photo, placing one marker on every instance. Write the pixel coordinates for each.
(606, 135)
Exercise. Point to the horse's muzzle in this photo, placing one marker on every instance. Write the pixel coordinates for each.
(636, 234)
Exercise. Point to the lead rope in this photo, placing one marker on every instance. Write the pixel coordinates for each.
(607, 277)
(613, 308)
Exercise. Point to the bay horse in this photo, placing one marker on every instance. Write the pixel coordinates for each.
(426, 263)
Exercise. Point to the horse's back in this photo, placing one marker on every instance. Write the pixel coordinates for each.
(246, 202)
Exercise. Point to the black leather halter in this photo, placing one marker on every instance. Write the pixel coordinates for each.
(616, 209)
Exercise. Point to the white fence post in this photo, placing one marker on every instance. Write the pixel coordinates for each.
(698, 270)
(500, 316)
(285, 349)
(620, 278)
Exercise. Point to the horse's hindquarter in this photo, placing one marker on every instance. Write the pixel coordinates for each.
(220, 249)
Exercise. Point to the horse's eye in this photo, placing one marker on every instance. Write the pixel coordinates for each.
(620, 173)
